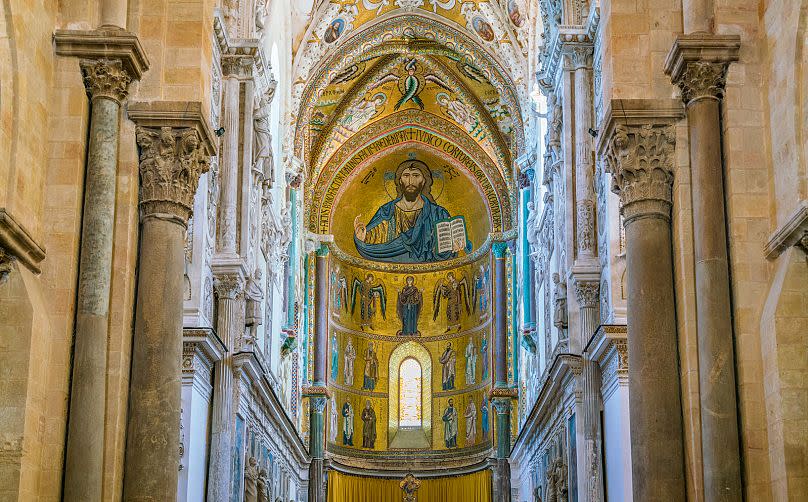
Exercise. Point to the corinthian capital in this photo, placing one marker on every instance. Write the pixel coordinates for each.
(579, 55)
(701, 80)
(587, 293)
(171, 162)
(229, 286)
(640, 159)
(105, 78)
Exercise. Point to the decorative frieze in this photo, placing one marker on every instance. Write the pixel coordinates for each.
(105, 78)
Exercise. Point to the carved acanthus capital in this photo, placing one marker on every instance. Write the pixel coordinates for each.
(502, 405)
(640, 159)
(239, 66)
(579, 55)
(229, 286)
(171, 162)
(6, 265)
(105, 78)
(587, 293)
(318, 404)
(701, 80)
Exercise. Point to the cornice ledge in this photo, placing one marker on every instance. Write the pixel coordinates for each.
(604, 340)
(104, 43)
(637, 112)
(789, 233)
(205, 340)
(701, 47)
(18, 243)
(175, 114)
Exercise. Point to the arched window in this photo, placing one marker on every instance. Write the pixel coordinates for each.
(409, 393)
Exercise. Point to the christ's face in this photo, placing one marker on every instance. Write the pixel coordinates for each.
(412, 183)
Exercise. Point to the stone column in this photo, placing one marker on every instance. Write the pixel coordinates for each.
(317, 393)
(230, 291)
(640, 157)
(106, 82)
(502, 474)
(113, 13)
(580, 55)
(500, 316)
(171, 161)
(698, 65)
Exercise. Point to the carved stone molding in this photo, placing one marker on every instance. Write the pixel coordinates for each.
(640, 159)
(229, 286)
(586, 225)
(587, 293)
(105, 78)
(17, 244)
(698, 64)
(104, 44)
(794, 232)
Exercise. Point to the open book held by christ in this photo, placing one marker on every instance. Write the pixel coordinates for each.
(448, 232)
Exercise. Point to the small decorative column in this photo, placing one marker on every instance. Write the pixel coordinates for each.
(229, 286)
(501, 394)
(106, 82)
(639, 153)
(171, 161)
(698, 64)
(318, 393)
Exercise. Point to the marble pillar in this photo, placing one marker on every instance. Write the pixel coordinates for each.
(317, 393)
(171, 161)
(640, 157)
(230, 291)
(580, 57)
(500, 316)
(698, 64)
(106, 82)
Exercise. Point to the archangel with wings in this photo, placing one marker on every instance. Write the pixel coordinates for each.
(456, 294)
(372, 296)
(409, 84)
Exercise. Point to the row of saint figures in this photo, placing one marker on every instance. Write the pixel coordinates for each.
(366, 299)
(448, 361)
(450, 419)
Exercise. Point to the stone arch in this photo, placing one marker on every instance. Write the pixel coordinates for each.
(377, 39)
(417, 438)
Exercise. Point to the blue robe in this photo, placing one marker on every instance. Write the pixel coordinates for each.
(484, 410)
(334, 359)
(416, 245)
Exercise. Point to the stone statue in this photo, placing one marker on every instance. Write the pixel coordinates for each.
(560, 300)
(251, 474)
(253, 318)
(263, 158)
(263, 486)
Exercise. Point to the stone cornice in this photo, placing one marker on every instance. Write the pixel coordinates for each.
(17, 244)
(104, 44)
(205, 341)
(698, 63)
(793, 232)
(176, 114)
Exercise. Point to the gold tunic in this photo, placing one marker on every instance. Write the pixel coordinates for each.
(404, 220)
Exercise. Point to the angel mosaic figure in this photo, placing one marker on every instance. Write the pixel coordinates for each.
(456, 294)
(410, 300)
(347, 424)
(371, 373)
(471, 362)
(347, 370)
(339, 288)
(369, 293)
(448, 361)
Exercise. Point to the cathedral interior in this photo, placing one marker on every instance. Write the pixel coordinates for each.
(404, 250)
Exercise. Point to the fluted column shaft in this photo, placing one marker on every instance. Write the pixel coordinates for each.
(230, 289)
(171, 161)
(106, 83)
(226, 243)
(698, 64)
(641, 160)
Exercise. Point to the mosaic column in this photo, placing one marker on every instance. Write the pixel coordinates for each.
(640, 158)
(171, 161)
(106, 82)
(698, 64)
(230, 291)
